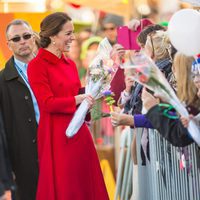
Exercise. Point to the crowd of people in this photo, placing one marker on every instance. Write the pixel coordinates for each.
(41, 88)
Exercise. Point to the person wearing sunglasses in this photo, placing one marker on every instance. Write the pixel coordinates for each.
(19, 109)
(109, 27)
(169, 126)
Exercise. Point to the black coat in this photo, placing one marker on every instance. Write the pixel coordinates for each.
(21, 127)
(170, 129)
(6, 178)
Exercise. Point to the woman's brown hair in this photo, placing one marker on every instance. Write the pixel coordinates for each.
(52, 25)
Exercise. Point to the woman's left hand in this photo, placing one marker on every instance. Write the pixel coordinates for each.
(90, 101)
(185, 121)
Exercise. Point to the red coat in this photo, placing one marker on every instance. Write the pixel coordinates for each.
(68, 167)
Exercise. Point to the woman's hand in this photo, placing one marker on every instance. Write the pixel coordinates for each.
(90, 101)
(134, 24)
(117, 53)
(185, 121)
(148, 100)
(6, 196)
(118, 119)
(79, 98)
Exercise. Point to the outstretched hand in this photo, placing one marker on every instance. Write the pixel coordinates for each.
(118, 119)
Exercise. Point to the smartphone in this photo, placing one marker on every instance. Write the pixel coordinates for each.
(127, 38)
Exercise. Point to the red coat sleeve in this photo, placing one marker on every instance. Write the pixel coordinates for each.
(38, 79)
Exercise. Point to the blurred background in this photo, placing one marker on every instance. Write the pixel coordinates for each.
(93, 20)
(85, 13)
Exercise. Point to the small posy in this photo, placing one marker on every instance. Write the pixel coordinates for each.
(108, 97)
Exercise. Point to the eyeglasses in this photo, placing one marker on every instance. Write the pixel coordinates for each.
(18, 38)
(109, 28)
(195, 75)
(152, 45)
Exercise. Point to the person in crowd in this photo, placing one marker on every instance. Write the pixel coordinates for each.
(6, 178)
(172, 129)
(84, 34)
(136, 26)
(159, 48)
(195, 76)
(161, 53)
(109, 27)
(68, 167)
(88, 51)
(142, 36)
(19, 109)
(109, 30)
(132, 91)
(141, 40)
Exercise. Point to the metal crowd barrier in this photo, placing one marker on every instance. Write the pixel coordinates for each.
(161, 178)
(125, 167)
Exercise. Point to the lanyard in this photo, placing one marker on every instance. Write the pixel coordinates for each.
(22, 74)
(167, 110)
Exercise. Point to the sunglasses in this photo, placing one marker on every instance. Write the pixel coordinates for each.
(109, 28)
(18, 38)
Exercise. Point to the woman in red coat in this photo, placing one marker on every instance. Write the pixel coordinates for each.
(68, 167)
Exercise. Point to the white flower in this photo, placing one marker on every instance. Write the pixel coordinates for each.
(95, 71)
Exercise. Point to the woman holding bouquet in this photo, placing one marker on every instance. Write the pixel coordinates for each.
(169, 128)
(161, 51)
(68, 167)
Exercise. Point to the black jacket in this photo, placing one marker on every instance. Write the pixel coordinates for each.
(20, 128)
(6, 179)
(170, 129)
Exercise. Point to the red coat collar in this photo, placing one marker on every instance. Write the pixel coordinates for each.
(50, 57)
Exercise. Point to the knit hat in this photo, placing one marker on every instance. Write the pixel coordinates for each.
(113, 19)
(87, 43)
(196, 66)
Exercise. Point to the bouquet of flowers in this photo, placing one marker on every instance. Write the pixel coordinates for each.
(144, 71)
(100, 74)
